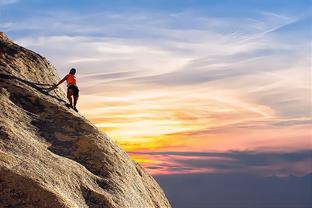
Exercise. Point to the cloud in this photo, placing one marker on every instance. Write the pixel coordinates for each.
(257, 163)
(260, 125)
(105, 76)
(222, 68)
(292, 122)
(5, 2)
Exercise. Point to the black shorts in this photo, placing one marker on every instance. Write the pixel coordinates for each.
(75, 90)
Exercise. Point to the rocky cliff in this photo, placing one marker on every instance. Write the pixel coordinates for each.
(53, 157)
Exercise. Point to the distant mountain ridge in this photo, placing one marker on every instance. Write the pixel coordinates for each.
(51, 156)
(233, 190)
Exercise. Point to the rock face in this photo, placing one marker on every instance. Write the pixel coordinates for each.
(53, 157)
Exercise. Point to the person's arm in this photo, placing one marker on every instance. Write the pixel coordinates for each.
(60, 82)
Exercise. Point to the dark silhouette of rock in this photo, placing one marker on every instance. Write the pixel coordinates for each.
(51, 156)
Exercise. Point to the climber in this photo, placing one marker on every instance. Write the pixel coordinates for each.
(72, 89)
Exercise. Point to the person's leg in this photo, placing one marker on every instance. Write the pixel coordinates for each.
(76, 96)
(69, 96)
(75, 101)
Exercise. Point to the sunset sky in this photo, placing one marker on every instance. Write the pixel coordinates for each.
(189, 86)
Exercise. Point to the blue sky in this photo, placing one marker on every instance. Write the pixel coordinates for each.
(17, 10)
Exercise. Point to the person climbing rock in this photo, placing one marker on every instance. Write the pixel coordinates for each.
(72, 89)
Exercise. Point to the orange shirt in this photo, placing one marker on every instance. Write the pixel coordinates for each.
(71, 79)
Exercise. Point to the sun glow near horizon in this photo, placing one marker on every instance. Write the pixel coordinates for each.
(212, 117)
(187, 121)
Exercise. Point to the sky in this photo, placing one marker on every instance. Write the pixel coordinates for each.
(185, 87)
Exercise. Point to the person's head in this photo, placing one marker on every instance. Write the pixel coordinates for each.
(72, 71)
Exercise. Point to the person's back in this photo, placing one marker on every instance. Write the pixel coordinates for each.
(71, 79)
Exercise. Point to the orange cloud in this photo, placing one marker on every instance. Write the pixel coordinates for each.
(197, 118)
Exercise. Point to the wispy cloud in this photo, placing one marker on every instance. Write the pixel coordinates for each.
(4, 2)
(257, 163)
